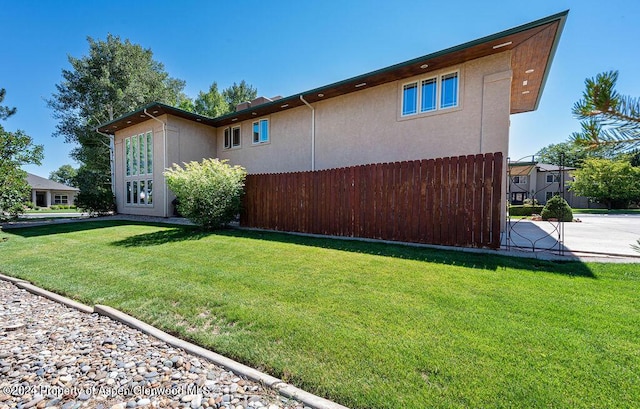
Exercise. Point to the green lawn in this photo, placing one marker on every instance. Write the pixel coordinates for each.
(368, 325)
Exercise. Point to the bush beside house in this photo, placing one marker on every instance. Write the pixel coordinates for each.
(208, 193)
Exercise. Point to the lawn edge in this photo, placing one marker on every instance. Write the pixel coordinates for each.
(283, 388)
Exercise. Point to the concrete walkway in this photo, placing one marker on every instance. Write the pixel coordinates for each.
(610, 235)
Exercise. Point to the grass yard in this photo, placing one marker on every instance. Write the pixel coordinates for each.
(605, 211)
(367, 325)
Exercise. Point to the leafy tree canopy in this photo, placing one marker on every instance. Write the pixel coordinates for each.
(572, 154)
(65, 174)
(215, 103)
(607, 117)
(614, 183)
(238, 93)
(16, 149)
(114, 78)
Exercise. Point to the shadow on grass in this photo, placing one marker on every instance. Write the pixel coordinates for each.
(449, 257)
(186, 233)
(162, 237)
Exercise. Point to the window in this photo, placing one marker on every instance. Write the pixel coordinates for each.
(519, 180)
(60, 199)
(449, 93)
(552, 178)
(429, 98)
(410, 99)
(549, 195)
(433, 93)
(139, 169)
(232, 137)
(261, 131)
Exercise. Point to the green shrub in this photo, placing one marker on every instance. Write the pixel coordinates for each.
(96, 201)
(522, 210)
(29, 205)
(557, 208)
(208, 193)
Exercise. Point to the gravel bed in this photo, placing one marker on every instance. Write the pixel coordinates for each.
(53, 356)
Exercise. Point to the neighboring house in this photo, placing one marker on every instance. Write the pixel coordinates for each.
(453, 102)
(541, 181)
(46, 192)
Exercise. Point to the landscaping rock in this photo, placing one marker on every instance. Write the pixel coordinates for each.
(62, 358)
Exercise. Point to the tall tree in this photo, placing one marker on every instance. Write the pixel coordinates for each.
(614, 183)
(16, 149)
(114, 78)
(572, 154)
(607, 117)
(65, 174)
(211, 103)
(238, 93)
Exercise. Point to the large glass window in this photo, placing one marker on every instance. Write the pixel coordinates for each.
(139, 169)
(261, 131)
(149, 153)
(439, 92)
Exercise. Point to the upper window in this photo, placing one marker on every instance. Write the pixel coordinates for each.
(261, 131)
(552, 178)
(430, 94)
(139, 154)
(232, 137)
(138, 189)
(519, 180)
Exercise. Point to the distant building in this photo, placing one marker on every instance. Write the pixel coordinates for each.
(46, 192)
(541, 181)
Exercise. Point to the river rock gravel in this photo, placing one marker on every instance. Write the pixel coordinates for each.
(53, 356)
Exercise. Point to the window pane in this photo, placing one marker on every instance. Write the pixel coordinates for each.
(410, 99)
(134, 156)
(264, 130)
(428, 95)
(149, 153)
(236, 137)
(128, 155)
(149, 191)
(227, 139)
(143, 151)
(449, 96)
(256, 132)
(143, 193)
(135, 192)
(128, 193)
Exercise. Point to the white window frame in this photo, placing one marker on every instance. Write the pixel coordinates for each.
(438, 102)
(139, 197)
(522, 180)
(253, 134)
(555, 178)
(228, 142)
(60, 199)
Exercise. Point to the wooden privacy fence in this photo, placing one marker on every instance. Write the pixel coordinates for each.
(453, 201)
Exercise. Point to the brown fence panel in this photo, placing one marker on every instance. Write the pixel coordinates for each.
(453, 201)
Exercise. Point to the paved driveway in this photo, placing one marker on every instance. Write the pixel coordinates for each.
(605, 234)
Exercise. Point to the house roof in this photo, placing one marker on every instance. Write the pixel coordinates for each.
(524, 168)
(40, 183)
(532, 47)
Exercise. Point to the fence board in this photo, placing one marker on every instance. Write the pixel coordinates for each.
(452, 201)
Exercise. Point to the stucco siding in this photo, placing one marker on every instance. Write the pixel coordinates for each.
(367, 127)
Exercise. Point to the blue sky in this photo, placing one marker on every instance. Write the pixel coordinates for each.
(285, 47)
